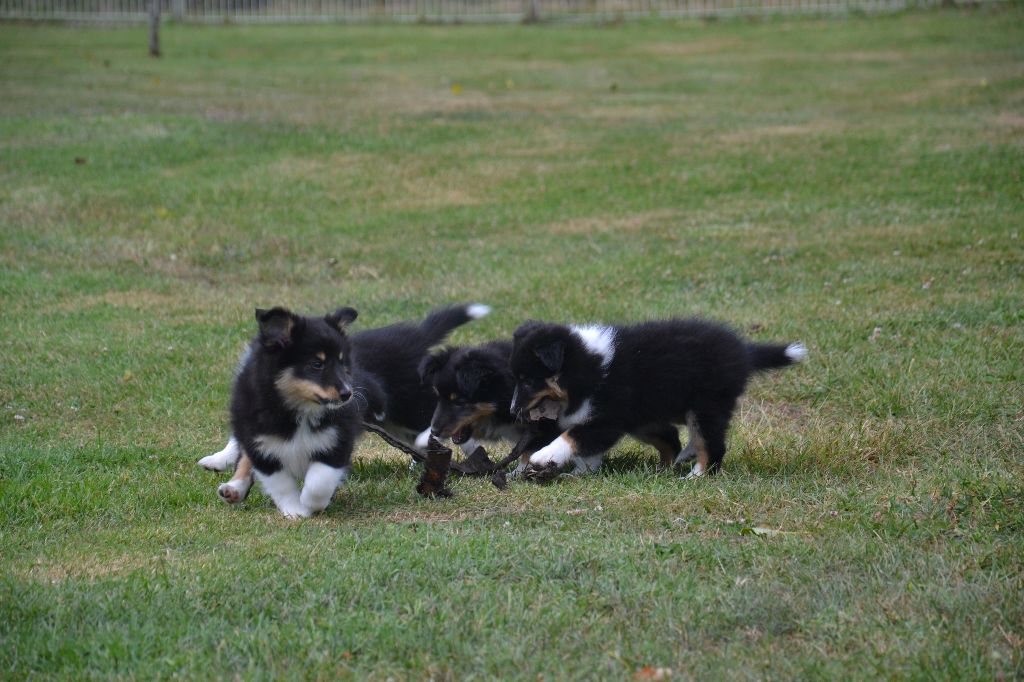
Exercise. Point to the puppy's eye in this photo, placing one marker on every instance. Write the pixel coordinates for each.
(317, 365)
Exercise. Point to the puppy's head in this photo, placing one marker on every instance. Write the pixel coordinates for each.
(308, 358)
(538, 358)
(472, 386)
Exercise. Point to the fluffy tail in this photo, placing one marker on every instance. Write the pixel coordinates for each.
(771, 355)
(440, 323)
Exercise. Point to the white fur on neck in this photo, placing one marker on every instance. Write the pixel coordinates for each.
(598, 340)
(295, 452)
(580, 416)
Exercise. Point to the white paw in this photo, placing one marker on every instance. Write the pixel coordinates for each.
(314, 502)
(696, 472)
(295, 510)
(234, 492)
(558, 452)
(423, 439)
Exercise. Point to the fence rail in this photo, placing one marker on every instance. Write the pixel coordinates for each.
(312, 11)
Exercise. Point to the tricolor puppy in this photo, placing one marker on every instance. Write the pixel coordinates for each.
(473, 388)
(609, 381)
(304, 389)
(291, 407)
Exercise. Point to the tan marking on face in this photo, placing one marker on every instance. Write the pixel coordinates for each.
(322, 356)
(553, 391)
(243, 471)
(300, 392)
(480, 411)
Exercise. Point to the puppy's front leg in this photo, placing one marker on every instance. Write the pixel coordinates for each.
(587, 441)
(321, 482)
(284, 491)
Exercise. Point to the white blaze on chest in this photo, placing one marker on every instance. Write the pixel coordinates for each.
(597, 340)
(294, 453)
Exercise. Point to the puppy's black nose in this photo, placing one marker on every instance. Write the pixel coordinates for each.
(344, 395)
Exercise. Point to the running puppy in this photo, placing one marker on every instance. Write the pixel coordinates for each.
(291, 407)
(386, 391)
(643, 379)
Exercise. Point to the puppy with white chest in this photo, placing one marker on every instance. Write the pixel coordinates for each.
(291, 408)
(641, 380)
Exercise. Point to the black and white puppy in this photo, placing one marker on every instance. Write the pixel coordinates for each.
(295, 404)
(473, 388)
(643, 379)
(291, 407)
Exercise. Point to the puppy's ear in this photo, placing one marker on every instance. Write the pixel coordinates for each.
(341, 318)
(277, 326)
(525, 328)
(551, 354)
(430, 364)
(469, 377)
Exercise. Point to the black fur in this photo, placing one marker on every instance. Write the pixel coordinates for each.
(289, 342)
(469, 383)
(661, 374)
(391, 356)
(377, 367)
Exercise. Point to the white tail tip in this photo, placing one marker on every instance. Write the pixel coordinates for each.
(478, 310)
(796, 351)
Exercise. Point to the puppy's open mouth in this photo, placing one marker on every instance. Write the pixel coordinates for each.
(546, 409)
(463, 434)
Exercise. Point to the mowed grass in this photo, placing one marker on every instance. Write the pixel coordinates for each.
(855, 184)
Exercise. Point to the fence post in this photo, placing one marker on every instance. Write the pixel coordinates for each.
(178, 9)
(154, 28)
(531, 14)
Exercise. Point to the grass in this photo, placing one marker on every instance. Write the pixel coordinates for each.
(856, 184)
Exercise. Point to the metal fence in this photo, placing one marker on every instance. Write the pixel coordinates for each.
(312, 11)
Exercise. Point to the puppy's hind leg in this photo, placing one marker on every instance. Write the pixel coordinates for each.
(224, 459)
(665, 439)
(237, 489)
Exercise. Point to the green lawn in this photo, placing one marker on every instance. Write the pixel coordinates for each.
(853, 183)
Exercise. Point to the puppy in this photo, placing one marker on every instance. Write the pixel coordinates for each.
(473, 389)
(609, 381)
(291, 407)
(381, 374)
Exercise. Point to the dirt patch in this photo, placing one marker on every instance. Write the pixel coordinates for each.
(762, 133)
(760, 414)
(1009, 119)
(85, 567)
(698, 47)
(637, 222)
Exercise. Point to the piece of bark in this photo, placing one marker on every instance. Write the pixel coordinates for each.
(542, 474)
(434, 480)
(499, 479)
(476, 464)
